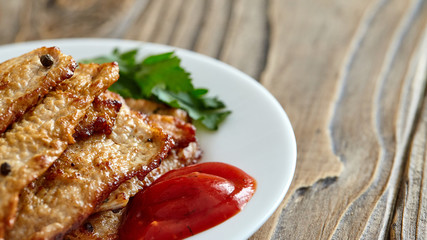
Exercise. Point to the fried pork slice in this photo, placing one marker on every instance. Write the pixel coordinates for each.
(100, 117)
(99, 226)
(24, 80)
(150, 107)
(85, 174)
(105, 224)
(182, 134)
(35, 142)
(177, 158)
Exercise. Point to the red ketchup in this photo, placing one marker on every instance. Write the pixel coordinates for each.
(187, 201)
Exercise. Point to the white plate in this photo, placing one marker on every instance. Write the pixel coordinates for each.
(257, 137)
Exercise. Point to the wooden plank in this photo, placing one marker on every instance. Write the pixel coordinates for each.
(188, 24)
(157, 22)
(410, 217)
(8, 20)
(67, 18)
(214, 27)
(246, 40)
(372, 76)
(301, 72)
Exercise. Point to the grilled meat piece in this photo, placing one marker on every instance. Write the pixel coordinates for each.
(150, 107)
(85, 174)
(175, 122)
(24, 80)
(99, 226)
(100, 117)
(177, 158)
(105, 224)
(181, 132)
(35, 142)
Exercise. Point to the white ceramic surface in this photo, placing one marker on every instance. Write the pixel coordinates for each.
(257, 137)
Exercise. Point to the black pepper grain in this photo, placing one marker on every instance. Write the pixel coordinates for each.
(88, 226)
(5, 169)
(46, 60)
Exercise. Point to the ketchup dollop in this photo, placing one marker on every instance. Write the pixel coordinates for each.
(187, 201)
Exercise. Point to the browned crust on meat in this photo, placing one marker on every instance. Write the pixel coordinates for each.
(85, 174)
(105, 224)
(150, 107)
(181, 132)
(99, 226)
(24, 81)
(177, 158)
(100, 117)
(36, 141)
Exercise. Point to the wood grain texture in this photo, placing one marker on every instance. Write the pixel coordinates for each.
(351, 75)
(364, 130)
(409, 220)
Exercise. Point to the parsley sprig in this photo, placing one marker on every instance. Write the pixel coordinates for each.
(161, 78)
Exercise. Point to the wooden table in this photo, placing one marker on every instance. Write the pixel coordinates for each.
(350, 74)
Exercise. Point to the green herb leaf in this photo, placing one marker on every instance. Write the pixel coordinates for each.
(161, 78)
